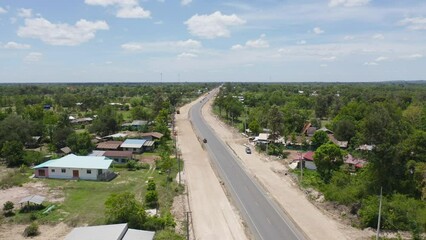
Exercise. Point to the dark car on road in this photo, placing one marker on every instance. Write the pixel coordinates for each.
(248, 150)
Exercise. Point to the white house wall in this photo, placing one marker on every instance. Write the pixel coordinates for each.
(82, 172)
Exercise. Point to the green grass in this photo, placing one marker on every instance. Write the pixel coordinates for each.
(15, 177)
(84, 200)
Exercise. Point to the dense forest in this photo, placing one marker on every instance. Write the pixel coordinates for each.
(389, 117)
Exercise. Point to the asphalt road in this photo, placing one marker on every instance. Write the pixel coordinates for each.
(264, 218)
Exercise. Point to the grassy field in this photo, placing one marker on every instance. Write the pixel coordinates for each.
(84, 200)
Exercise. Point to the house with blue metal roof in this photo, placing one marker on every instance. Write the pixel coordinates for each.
(134, 145)
(76, 167)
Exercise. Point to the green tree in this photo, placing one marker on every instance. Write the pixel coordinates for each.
(254, 127)
(107, 122)
(344, 130)
(124, 208)
(13, 152)
(60, 136)
(139, 113)
(328, 158)
(276, 121)
(319, 138)
(80, 143)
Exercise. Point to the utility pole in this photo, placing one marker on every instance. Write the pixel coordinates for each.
(187, 225)
(301, 166)
(380, 214)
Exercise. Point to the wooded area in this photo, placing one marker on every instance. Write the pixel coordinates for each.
(389, 118)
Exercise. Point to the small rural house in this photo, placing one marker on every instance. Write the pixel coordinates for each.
(135, 125)
(263, 138)
(151, 136)
(117, 156)
(76, 167)
(134, 145)
(109, 232)
(109, 145)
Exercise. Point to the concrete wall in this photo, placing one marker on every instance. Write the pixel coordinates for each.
(68, 174)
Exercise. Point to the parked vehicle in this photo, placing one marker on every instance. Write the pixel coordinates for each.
(248, 150)
(204, 140)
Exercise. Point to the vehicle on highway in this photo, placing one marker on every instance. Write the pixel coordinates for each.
(204, 140)
(248, 150)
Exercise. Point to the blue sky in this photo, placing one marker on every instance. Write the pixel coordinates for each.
(194, 40)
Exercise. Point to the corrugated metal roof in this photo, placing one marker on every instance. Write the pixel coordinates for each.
(148, 144)
(113, 154)
(133, 234)
(73, 161)
(133, 143)
(104, 232)
(109, 145)
(36, 199)
(97, 153)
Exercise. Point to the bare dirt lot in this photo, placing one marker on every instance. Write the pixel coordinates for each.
(315, 222)
(212, 214)
(15, 194)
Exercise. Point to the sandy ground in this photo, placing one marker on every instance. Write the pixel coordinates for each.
(15, 194)
(213, 216)
(47, 232)
(315, 223)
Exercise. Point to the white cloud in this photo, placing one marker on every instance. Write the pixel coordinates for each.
(173, 46)
(212, 26)
(330, 59)
(237, 47)
(61, 33)
(348, 38)
(257, 43)
(132, 46)
(158, 22)
(323, 65)
(2, 10)
(318, 30)
(381, 59)
(413, 56)
(126, 8)
(185, 2)
(348, 3)
(187, 55)
(105, 3)
(301, 42)
(417, 23)
(133, 12)
(189, 44)
(371, 64)
(378, 36)
(25, 12)
(33, 57)
(15, 45)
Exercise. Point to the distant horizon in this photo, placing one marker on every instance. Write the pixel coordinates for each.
(193, 40)
(252, 82)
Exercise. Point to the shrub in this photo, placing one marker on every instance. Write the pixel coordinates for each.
(151, 199)
(8, 206)
(131, 165)
(167, 234)
(31, 230)
(151, 185)
(399, 212)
